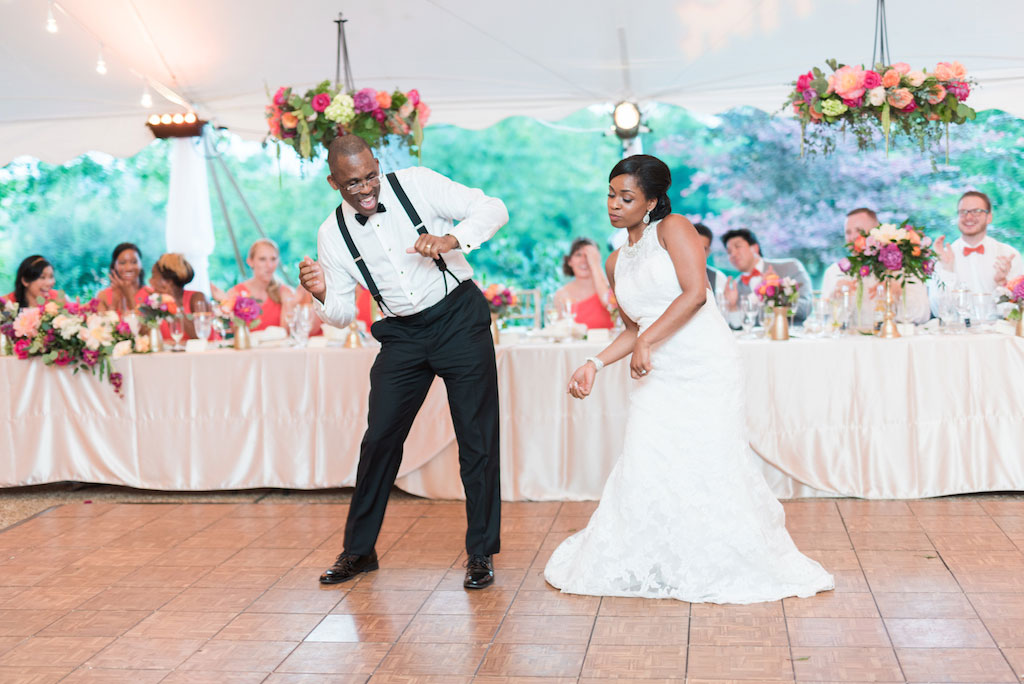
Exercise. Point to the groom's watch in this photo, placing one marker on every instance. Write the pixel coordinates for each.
(598, 363)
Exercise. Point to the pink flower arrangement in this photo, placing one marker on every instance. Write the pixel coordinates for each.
(891, 252)
(499, 298)
(1014, 294)
(307, 121)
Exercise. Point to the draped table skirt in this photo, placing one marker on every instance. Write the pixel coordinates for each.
(907, 418)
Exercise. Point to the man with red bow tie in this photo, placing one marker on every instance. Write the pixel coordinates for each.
(975, 260)
(745, 256)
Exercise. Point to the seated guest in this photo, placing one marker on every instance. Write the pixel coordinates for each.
(170, 274)
(716, 279)
(975, 260)
(264, 258)
(127, 283)
(914, 301)
(588, 295)
(33, 282)
(745, 256)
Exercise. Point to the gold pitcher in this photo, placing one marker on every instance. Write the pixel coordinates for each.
(242, 339)
(779, 327)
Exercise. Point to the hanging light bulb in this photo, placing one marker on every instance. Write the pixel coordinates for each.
(154, 119)
(101, 64)
(51, 21)
(147, 99)
(190, 118)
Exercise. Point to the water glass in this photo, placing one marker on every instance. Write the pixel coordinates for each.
(177, 325)
(204, 324)
(962, 302)
(750, 310)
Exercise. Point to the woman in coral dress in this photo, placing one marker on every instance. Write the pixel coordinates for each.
(588, 296)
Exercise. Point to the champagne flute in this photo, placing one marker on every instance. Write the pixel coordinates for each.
(177, 326)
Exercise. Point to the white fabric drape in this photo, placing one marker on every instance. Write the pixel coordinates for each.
(189, 227)
(907, 418)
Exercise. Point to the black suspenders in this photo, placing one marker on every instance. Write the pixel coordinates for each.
(414, 216)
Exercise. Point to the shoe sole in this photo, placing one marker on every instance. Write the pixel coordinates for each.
(479, 586)
(368, 568)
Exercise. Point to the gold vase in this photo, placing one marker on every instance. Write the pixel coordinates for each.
(495, 332)
(779, 328)
(889, 330)
(352, 341)
(242, 339)
(156, 339)
(1019, 332)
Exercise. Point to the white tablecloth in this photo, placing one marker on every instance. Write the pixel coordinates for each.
(907, 418)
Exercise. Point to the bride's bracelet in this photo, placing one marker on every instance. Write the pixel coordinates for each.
(598, 363)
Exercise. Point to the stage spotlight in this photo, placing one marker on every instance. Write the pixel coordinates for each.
(175, 125)
(626, 117)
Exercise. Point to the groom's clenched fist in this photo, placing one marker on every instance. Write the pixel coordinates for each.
(311, 275)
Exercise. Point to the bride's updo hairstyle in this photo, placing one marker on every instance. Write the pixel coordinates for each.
(654, 178)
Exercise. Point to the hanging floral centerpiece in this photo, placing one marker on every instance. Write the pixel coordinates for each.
(316, 117)
(918, 103)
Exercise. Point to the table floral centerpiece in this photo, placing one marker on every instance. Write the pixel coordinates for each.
(501, 299)
(242, 312)
(781, 294)
(1014, 294)
(891, 253)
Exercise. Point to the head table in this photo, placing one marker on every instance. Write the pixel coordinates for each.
(907, 418)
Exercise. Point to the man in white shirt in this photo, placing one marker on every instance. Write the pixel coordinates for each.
(745, 256)
(914, 300)
(716, 279)
(436, 323)
(975, 260)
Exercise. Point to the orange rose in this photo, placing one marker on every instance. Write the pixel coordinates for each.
(859, 243)
(959, 71)
(943, 71)
(938, 94)
(383, 99)
(816, 116)
(900, 98)
(891, 78)
(289, 120)
(932, 116)
(916, 251)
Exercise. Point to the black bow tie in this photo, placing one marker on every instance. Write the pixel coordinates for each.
(363, 219)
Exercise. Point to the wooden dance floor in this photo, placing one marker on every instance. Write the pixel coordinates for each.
(927, 591)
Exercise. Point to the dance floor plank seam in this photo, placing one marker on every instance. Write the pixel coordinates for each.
(927, 591)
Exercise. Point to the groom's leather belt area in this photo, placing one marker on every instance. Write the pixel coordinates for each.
(432, 313)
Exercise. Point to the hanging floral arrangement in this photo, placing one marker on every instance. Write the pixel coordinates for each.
(314, 118)
(918, 103)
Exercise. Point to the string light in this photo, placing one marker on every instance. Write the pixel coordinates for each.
(101, 64)
(190, 118)
(154, 119)
(51, 21)
(147, 98)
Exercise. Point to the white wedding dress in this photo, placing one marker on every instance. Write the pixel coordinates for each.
(686, 513)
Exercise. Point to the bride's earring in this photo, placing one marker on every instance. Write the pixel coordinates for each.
(647, 218)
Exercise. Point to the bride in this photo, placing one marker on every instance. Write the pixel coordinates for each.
(686, 513)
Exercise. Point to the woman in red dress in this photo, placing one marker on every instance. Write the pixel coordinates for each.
(127, 281)
(588, 295)
(273, 296)
(33, 281)
(170, 274)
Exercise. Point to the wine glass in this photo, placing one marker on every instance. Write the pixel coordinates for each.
(962, 302)
(177, 325)
(204, 324)
(947, 312)
(302, 323)
(750, 310)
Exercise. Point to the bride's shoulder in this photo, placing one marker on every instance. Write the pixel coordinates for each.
(673, 224)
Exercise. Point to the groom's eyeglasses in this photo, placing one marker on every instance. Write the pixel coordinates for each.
(370, 181)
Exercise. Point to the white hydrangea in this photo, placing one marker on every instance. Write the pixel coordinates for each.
(341, 110)
(67, 326)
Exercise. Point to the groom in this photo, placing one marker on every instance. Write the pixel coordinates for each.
(395, 235)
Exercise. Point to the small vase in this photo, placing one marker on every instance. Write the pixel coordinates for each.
(779, 328)
(242, 339)
(1019, 332)
(353, 341)
(889, 330)
(156, 339)
(495, 332)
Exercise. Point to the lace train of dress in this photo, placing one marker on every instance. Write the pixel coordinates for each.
(685, 513)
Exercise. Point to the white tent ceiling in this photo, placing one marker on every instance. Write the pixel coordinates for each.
(474, 61)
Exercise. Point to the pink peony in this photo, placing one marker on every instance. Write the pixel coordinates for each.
(27, 322)
(915, 78)
(365, 100)
(937, 94)
(423, 112)
(943, 72)
(21, 348)
(902, 68)
(849, 82)
(414, 96)
(958, 70)
(872, 80)
(803, 82)
(279, 97)
(320, 102)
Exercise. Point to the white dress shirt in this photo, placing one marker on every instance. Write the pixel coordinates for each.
(914, 298)
(409, 283)
(976, 271)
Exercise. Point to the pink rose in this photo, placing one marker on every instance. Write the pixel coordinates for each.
(803, 82)
(279, 96)
(871, 80)
(849, 82)
(414, 96)
(865, 270)
(943, 72)
(379, 115)
(901, 67)
(938, 94)
(959, 89)
(383, 100)
(21, 348)
(855, 103)
(915, 78)
(891, 78)
(406, 109)
(911, 106)
(959, 71)
(422, 113)
(320, 102)
(900, 98)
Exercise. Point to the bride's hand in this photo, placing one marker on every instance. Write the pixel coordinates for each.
(640, 363)
(582, 381)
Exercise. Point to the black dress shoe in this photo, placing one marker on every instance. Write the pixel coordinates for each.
(348, 566)
(479, 572)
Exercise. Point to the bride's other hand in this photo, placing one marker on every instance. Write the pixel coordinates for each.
(640, 363)
(582, 381)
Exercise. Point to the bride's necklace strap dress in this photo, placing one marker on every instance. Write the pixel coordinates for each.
(632, 249)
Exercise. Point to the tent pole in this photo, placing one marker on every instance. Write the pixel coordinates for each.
(227, 220)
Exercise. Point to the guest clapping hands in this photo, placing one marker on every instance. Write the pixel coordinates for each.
(127, 287)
